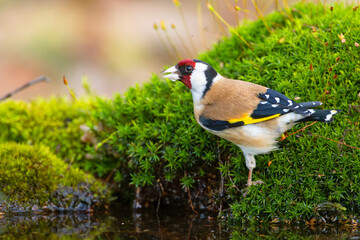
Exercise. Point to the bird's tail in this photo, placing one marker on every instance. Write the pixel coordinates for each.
(321, 116)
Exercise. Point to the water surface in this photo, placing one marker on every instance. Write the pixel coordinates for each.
(124, 223)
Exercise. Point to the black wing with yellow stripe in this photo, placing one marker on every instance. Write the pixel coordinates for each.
(272, 105)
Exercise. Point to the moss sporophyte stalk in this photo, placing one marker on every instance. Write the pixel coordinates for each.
(155, 151)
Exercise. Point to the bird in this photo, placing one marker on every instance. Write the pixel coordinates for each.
(249, 115)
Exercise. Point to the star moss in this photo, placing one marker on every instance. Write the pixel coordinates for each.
(150, 140)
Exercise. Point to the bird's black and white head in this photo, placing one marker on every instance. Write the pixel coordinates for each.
(197, 75)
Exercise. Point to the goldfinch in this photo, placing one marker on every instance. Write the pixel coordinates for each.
(248, 115)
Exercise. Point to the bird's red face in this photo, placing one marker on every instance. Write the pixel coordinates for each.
(181, 71)
(197, 75)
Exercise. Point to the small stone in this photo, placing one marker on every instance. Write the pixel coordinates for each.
(82, 207)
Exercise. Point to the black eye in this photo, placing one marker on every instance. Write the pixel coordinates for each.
(189, 69)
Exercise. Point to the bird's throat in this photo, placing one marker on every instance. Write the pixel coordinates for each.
(186, 80)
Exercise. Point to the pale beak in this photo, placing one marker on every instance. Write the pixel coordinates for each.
(171, 73)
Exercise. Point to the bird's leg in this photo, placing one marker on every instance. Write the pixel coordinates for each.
(251, 164)
(249, 182)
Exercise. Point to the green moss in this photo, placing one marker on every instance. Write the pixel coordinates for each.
(160, 140)
(309, 169)
(30, 175)
(150, 139)
(53, 122)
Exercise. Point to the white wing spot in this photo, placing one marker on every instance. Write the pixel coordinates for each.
(290, 103)
(263, 102)
(286, 110)
(267, 96)
(296, 107)
(311, 111)
(274, 105)
(277, 99)
(328, 117)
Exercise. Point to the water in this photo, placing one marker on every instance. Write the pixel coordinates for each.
(122, 223)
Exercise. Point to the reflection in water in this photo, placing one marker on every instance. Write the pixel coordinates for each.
(49, 226)
(122, 223)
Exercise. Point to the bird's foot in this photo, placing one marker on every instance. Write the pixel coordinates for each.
(245, 191)
(256, 183)
(249, 183)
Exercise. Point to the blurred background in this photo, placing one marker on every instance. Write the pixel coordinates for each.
(113, 43)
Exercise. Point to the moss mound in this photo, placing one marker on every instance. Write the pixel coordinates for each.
(54, 123)
(304, 57)
(33, 178)
(149, 140)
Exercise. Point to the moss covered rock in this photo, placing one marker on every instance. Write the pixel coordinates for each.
(54, 122)
(33, 178)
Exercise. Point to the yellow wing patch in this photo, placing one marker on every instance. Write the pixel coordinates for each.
(250, 120)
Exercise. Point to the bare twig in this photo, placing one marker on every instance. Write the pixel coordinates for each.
(301, 130)
(338, 142)
(26, 85)
(191, 204)
(190, 228)
(108, 178)
(355, 107)
(232, 181)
